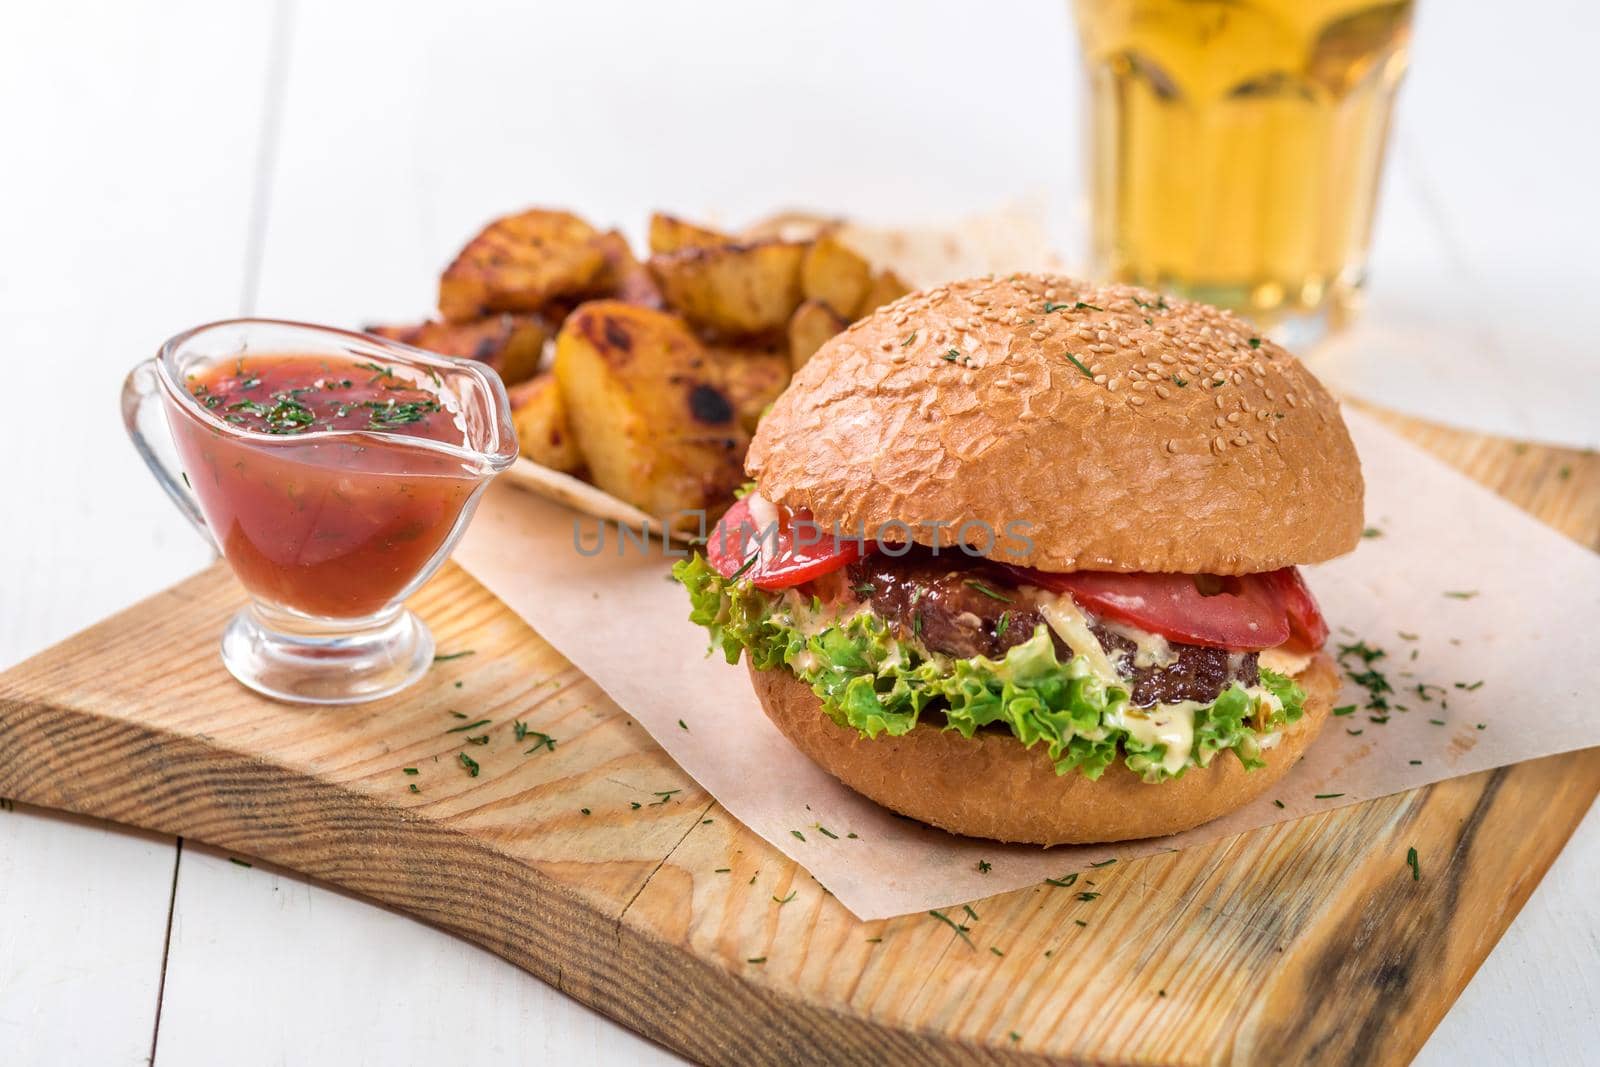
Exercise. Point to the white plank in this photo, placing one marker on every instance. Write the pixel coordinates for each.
(267, 968)
(129, 134)
(448, 114)
(83, 918)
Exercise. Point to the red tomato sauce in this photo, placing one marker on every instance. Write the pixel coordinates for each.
(329, 525)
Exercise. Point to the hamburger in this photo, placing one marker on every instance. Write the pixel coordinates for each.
(1019, 559)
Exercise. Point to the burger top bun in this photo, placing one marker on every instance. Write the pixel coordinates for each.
(1113, 428)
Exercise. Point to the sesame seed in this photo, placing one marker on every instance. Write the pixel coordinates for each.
(1112, 384)
(1099, 379)
(1136, 401)
(1288, 398)
(1140, 386)
(1220, 422)
(1172, 444)
(1036, 335)
(1162, 391)
(1218, 444)
(1234, 417)
(1272, 435)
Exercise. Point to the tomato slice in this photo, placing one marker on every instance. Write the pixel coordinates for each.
(799, 551)
(1308, 630)
(1244, 613)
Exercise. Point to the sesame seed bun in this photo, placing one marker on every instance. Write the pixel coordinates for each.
(989, 785)
(1130, 432)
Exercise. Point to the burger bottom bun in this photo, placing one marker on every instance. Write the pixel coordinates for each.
(989, 785)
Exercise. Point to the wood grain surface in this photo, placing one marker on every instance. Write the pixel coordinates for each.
(599, 867)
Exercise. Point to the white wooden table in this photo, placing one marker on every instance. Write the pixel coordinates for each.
(163, 165)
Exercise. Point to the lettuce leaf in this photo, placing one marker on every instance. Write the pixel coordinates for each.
(871, 680)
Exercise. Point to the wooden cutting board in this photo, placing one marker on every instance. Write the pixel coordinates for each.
(598, 866)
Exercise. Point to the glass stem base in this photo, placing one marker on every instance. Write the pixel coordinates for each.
(306, 661)
(1296, 325)
(1299, 330)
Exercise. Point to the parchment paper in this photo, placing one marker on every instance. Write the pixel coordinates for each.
(1487, 609)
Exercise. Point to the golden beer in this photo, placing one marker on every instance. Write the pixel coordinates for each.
(1235, 149)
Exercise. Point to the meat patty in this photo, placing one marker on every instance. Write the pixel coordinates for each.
(962, 607)
(953, 602)
(1194, 672)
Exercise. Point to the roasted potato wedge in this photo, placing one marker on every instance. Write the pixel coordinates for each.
(835, 275)
(512, 344)
(886, 288)
(649, 410)
(543, 432)
(520, 263)
(733, 290)
(624, 277)
(669, 234)
(790, 226)
(813, 323)
(751, 378)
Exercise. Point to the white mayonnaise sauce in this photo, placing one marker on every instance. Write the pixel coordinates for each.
(1069, 623)
(1164, 724)
(762, 511)
(1151, 650)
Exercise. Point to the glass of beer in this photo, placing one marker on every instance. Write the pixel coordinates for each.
(1235, 148)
